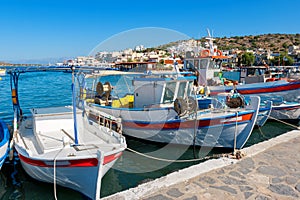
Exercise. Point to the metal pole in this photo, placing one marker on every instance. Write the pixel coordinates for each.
(74, 105)
(235, 133)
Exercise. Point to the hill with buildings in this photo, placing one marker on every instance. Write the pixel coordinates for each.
(273, 42)
(273, 49)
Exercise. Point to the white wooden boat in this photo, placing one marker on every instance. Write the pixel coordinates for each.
(4, 142)
(220, 102)
(288, 110)
(62, 145)
(162, 109)
(2, 71)
(48, 153)
(283, 110)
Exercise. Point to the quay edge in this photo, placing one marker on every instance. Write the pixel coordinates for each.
(183, 175)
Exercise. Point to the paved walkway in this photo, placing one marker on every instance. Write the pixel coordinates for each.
(270, 170)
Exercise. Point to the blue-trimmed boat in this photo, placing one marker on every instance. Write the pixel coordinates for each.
(4, 142)
(163, 108)
(283, 110)
(265, 108)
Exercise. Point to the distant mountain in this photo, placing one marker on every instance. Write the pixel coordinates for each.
(42, 61)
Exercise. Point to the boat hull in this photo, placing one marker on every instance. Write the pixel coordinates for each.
(4, 142)
(264, 113)
(163, 125)
(81, 178)
(289, 111)
(212, 136)
(289, 90)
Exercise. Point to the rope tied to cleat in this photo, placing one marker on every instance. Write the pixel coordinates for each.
(238, 155)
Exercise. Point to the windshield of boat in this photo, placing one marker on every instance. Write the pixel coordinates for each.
(181, 89)
(169, 92)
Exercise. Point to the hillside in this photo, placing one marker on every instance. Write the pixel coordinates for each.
(273, 42)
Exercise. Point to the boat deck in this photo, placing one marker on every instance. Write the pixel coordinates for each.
(46, 133)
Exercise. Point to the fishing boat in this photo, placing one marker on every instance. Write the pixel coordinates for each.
(4, 142)
(264, 113)
(255, 84)
(62, 145)
(162, 108)
(249, 80)
(219, 101)
(284, 110)
(2, 71)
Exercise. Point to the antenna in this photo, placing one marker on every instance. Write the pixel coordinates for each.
(208, 33)
(210, 42)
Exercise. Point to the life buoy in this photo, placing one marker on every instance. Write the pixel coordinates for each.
(271, 79)
(204, 53)
(219, 52)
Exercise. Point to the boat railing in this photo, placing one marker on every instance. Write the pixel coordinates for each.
(105, 120)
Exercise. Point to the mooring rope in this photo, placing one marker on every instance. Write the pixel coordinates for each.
(259, 128)
(179, 161)
(289, 124)
(54, 173)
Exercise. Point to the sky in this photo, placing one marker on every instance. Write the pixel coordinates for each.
(44, 29)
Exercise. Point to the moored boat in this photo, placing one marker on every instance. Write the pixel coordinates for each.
(252, 80)
(2, 71)
(264, 113)
(163, 109)
(62, 145)
(284, 110)
(4, 142)
(219, 101)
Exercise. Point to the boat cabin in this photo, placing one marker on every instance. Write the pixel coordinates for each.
(161, 91)
(253, 74)
(206, 69)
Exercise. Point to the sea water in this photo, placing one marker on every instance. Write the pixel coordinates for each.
(44, 89)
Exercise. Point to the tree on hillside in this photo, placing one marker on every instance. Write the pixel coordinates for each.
(248, 58)
(282, 60)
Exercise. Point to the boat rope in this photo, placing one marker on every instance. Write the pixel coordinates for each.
(263, 135)
(286, 123)
(195, 126)
(54, 174)
(224, 155)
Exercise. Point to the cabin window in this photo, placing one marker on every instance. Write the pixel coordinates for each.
(190, 87)
(181, 89)
(189, 64)
(169, 92)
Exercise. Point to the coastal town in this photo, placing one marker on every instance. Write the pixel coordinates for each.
(165, 55)
(236, 53)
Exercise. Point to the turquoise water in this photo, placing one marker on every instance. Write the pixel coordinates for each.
(54, 89)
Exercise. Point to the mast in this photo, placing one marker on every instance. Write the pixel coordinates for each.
(74, 105)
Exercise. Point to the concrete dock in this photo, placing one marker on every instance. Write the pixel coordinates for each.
(269, 170)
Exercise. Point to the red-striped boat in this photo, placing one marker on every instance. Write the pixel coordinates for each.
(62, 145)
